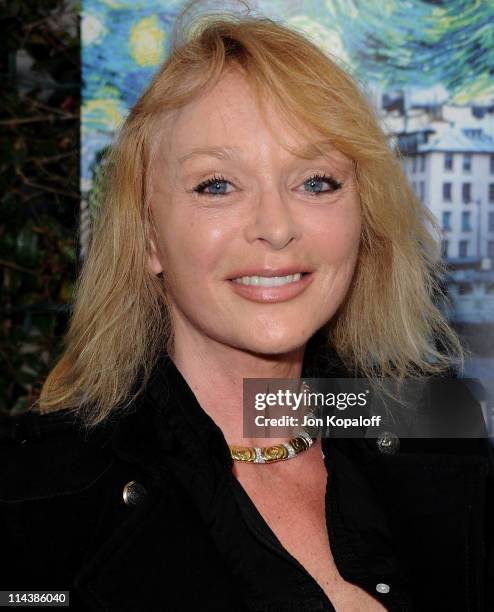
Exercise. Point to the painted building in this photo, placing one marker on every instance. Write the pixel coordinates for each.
(452, 172)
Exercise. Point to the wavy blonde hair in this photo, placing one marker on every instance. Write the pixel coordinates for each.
(387, 325)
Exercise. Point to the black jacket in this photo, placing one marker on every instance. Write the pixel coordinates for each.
(143, 513)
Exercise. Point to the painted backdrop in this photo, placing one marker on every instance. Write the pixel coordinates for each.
(421, 51)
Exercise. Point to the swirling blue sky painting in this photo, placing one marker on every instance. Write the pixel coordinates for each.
(430, 50)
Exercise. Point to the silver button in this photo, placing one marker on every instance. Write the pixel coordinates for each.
(388, 443)
(133, 493)
(382, 588)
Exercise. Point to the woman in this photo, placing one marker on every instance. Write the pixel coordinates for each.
(256, 225)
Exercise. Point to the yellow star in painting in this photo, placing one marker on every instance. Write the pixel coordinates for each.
(146, 42)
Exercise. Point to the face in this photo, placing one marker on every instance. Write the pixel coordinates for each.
(257, 245)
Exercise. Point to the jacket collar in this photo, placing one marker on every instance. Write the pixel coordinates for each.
(167, 415)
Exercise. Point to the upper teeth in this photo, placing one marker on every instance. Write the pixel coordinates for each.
(268, 281)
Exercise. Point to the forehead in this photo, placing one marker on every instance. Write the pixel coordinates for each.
(229, 117)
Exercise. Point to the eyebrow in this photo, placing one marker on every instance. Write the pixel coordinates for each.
(309, 151)
(218, 152)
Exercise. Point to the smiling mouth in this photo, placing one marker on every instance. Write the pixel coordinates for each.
(271, 289)
(269, 281)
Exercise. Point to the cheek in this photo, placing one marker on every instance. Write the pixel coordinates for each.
(339, 239)
(193, 247)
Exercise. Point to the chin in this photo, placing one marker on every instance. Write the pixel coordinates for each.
(275, 344)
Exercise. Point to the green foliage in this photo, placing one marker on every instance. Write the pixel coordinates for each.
(39, 183)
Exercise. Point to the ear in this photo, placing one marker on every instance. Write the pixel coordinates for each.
(154, 263)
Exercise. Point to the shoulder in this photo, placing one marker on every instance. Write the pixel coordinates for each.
(44, 455)
(442, 441)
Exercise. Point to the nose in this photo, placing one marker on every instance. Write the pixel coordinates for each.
(272, 221)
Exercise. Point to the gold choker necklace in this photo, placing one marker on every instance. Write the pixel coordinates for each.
(269, 454)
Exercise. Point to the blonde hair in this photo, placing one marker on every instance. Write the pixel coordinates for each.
(387, 325)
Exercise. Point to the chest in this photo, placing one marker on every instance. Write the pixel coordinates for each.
(295, 513)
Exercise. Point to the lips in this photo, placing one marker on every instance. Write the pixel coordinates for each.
(265, 295)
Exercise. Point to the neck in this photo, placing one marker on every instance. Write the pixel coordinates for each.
(215, 374)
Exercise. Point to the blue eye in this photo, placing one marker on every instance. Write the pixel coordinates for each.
(316, 183)
(217, 184)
